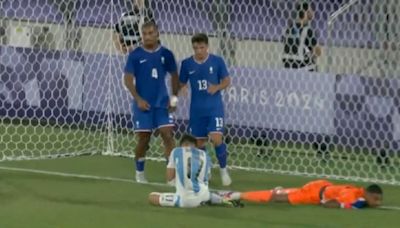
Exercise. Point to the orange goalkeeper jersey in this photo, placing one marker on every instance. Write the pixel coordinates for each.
(345, 194)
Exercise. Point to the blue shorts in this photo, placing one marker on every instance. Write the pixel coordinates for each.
(147, 121)
(200, 127)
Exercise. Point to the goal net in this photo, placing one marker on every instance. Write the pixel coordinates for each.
(61, 92)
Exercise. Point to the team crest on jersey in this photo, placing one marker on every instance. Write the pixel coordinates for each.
(162, 59)
(211, 70)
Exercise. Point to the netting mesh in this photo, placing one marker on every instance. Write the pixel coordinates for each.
(61, 92)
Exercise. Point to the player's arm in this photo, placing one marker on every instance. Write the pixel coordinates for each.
(331, 204)
(224, 78)
(357, 204)
(130, 85)
(129, 79)
(171, 169)
(317, 51)
(172, 68)
(183, 78)
(175, 85)
(170, 174)
(117, 39)
(225, 82)
(209, 165)
(117, 43)
(313, 43)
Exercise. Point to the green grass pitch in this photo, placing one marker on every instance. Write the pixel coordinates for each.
(39, 200)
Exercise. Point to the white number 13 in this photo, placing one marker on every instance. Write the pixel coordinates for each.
(219, 122)
(202, 84)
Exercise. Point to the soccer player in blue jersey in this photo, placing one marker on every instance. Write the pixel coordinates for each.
(208, 76)
(190, 168)
(145, 73)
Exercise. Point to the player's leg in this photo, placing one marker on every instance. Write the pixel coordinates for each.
(215, 132)
(308, 194)
(164, 199)
(217, 199)
(165, 125)
(175, 200)
(167, 136)
(143, 128)
(198, 129)
(140, 154)
(201, 143)
(272, 195)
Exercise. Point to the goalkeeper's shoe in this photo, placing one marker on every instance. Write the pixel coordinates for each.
(140, 178)
(232, 203)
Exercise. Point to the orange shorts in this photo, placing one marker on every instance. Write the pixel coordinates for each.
(309, 193)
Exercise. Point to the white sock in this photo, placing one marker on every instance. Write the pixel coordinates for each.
(235, 196)
(215, 198)
(223, 170)
(171, 182)
(168, 199)
(139, 173)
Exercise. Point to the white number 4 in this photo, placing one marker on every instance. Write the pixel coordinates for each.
(219, 122)
(154, 73)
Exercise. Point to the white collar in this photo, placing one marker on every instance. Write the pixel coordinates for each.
(205, 60)
(151, 51)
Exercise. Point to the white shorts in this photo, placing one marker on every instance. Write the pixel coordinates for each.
(184, 200)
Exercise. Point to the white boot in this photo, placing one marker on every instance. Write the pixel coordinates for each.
(140, 178)
(226, 179)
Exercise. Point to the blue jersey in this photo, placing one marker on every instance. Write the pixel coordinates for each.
(192, 169)
(150, 69)
(200, 76)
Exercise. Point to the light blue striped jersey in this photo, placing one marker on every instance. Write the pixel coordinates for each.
(192, 169)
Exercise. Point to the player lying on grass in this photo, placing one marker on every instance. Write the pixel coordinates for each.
(191, 168)
(320, 192)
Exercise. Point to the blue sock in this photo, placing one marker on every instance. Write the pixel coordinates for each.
(140, 164)
(221, 155)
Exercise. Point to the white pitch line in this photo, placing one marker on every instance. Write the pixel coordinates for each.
(74, 175)
(93, 177)
(390, 208)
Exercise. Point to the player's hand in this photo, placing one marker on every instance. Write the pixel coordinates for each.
(212, 89)
(143, 105)
(183, 92)
(171, 109)
(173, 102)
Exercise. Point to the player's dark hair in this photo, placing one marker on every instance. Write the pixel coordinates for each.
(188, 139)
(149, 24)
(301, 8)
(200, 38)
(374, 188)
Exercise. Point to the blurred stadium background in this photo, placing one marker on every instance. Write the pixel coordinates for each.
(61, 97)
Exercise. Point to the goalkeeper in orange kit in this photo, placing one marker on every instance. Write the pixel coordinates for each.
(320, 192)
